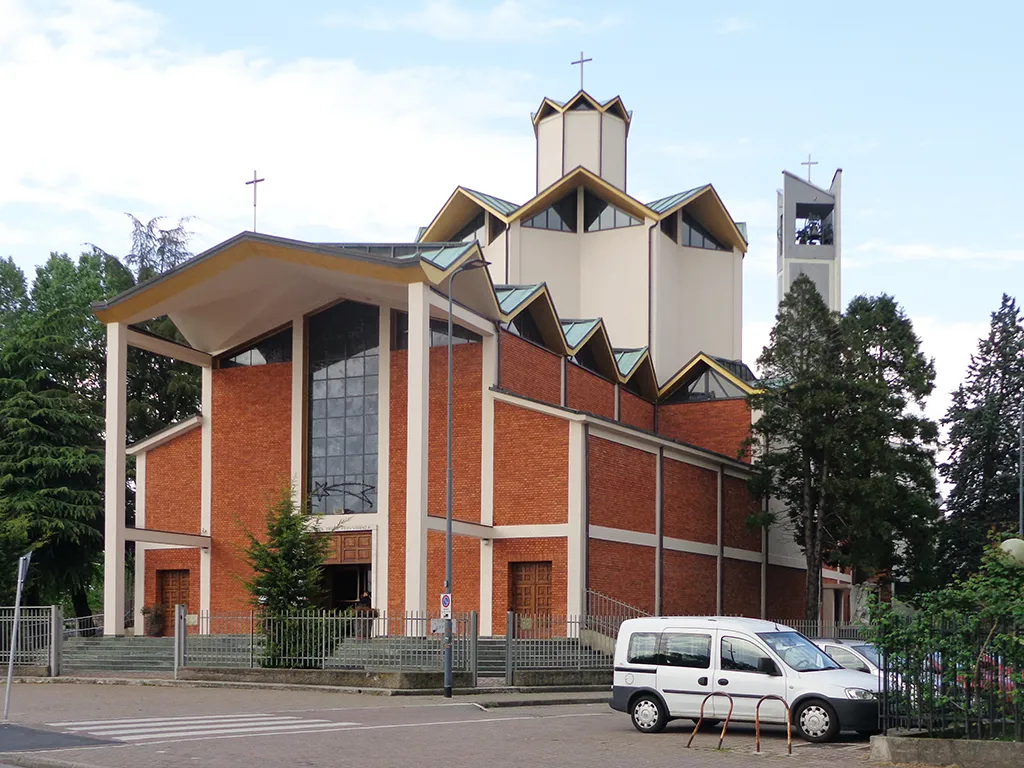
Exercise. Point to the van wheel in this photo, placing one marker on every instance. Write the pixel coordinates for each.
(816, 721)
(648, 714)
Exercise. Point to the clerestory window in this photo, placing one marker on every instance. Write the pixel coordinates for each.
(560, 217)
(599, 214)
(696, 236)
(272, 349)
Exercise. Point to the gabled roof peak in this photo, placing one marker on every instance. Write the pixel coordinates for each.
(613, 105)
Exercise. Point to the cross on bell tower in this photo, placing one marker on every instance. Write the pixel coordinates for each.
(581, 62)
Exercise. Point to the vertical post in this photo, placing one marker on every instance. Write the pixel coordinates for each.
(179, 638)
(448, 507)
(474, 647)
(659, 530)
(720, 558)
(252, 639)
(23, 562)
(114, 479)
(140, 548)
(510, 622)
(577, 518)
(206, 487)
(417, 453)
(56, 639)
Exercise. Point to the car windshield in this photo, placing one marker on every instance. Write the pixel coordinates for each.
(798, 652)
(869, 652)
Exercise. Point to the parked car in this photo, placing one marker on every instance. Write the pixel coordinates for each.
(857, 655)
(666, 667)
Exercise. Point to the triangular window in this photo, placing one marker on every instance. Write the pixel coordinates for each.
(599, 214)
(560, 217)
(695, 235)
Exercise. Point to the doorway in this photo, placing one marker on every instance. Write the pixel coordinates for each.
(530, 587)
(172, 590)
(345, 584)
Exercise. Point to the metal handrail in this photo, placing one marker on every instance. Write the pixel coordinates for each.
(700, 720)
(757, 721)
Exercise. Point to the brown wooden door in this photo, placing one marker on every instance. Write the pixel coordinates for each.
(173, 590)
(531, 588)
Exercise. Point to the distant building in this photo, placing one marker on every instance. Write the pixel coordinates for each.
(599, 405)
(809, 230)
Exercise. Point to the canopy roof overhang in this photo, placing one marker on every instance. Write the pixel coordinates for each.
(253, 283)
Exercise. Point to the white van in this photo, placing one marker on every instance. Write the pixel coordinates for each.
(666, 666)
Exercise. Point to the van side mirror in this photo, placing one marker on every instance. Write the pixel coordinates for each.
(768, 667)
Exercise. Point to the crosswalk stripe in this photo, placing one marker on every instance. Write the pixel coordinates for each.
(109, 730)
(157, 719)
(306, 726)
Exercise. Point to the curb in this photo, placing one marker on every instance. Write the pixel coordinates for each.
(604, 691)
(28, 760)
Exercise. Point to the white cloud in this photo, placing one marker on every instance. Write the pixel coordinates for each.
(507, 21)
(733, 25)
(880, 251)
(111, 121)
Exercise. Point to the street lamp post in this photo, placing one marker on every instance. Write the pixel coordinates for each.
(448, 511)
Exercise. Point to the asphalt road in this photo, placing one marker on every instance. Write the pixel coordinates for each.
(125, 727)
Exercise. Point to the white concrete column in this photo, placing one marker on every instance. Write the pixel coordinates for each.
(114, 479)
(720, 558)
(490, 378)
(140, 548)
(577, 538)
(659, 530)
(206, 486)
(418, 444)
(298, 429)
(618, 402)
(381, 564)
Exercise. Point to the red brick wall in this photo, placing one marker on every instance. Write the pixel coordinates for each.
(467, 365)
(787, 588)
(635, 411)
(623, 571)
(174, 484)
(622, 486)
(465, 573)
(396, 483)
(531, 467)
(528, 551)
(717, 425)
(251, 468)
(171, 560)
(586, 391)
(530, 370)
(691, 502)
(739, 505)
(689, 584)
(741, 588)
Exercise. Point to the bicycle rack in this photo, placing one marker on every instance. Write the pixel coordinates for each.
(701, 719)
(757, 721)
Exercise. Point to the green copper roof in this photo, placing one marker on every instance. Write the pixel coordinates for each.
(446, 256)
(667, 203)
(504, 207)
(627, 359)
(576, 330)
(511, 297)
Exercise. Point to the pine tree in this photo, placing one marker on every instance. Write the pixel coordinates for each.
(983, 420)
(798, 431)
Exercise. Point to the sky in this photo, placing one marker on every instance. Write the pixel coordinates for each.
(364, 116)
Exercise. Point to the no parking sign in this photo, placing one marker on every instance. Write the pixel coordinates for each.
(446, 605)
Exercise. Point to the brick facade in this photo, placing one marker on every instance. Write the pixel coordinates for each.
(738, 506)
(174, 484)
(529, 370)
(531, 467)
(622, 486)
(689, 584)
(635, 411)
(786, 592)
(624, 572)
(465, 572)
(741, 588)
(171, 560)
(586, 391)
(691, 502)
(717, 425)
(506, 551)
(251, 467)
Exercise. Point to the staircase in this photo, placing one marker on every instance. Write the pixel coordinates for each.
(490, 657)
(117, 654)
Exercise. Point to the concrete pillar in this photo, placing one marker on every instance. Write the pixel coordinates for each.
(206, 491)
(720, 559)
(577, 538)
(381, 563)
(418, 444)
(298, 400)
(140, 548)
(490, 378)
(114, 479)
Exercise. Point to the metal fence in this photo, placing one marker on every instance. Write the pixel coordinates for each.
(831, 630)
(960, 680)
(35, 635)
(555, 642)
(317, 639)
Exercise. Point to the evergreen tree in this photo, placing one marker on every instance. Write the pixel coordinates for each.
(13, 295)
(798, 431)
(983, 420)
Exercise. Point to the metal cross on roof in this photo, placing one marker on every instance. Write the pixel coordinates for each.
(254, 182)
(581, 62)
(809, 164)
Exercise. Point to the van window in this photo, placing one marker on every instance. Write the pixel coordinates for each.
(743, 656)
(643, 648)
(847, 658)
(679, 650)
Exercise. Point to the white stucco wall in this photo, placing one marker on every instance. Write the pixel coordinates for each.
(613, 282)
(613, 150)
(545, 256)
(549, 151)
(582, 140)
(495, 253)
(697, 304)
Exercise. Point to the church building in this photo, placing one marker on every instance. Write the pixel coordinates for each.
(598, 415)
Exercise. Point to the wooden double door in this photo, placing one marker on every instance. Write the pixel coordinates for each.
(172, 588)
(530, 586)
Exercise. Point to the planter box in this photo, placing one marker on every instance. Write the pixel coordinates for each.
(339, 677)
(960, 752)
